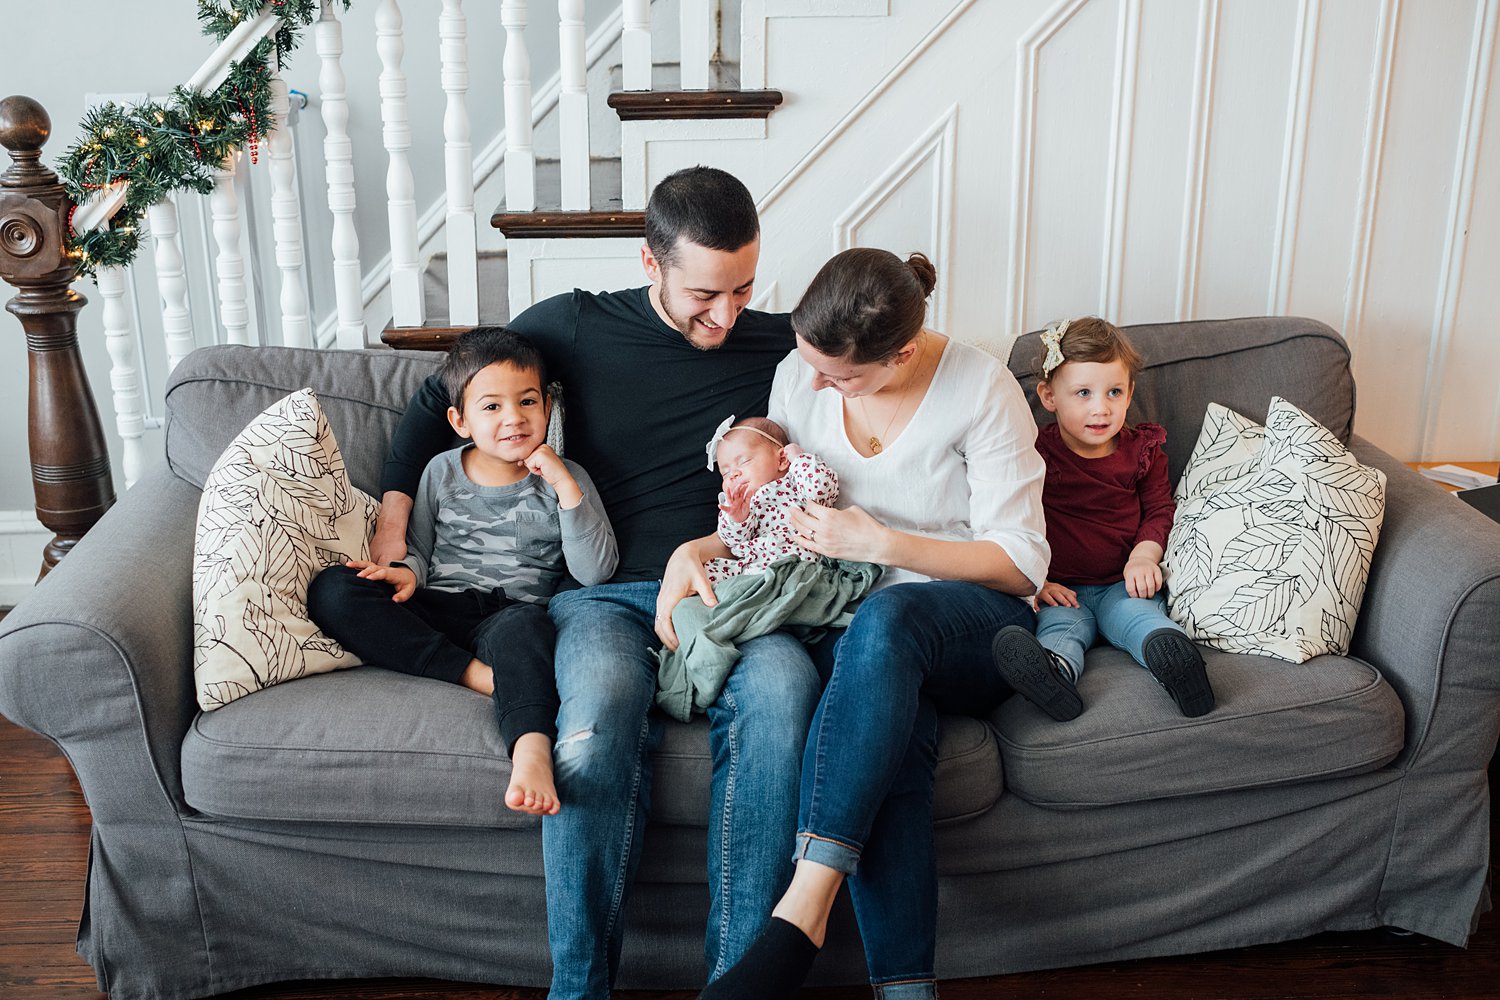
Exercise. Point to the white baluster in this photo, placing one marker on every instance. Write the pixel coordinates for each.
(224, 203)
(400, 191)
(171, 282)
(338, 154)
(124, 372)
(635, 44)
(286, 215)
(573, 106)
(520, 158)
(697, 21)
(463, 260)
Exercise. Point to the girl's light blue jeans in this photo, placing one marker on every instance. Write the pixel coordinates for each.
(913, 650)
(1103, 610)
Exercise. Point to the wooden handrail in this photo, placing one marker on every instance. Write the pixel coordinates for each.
(69, 464)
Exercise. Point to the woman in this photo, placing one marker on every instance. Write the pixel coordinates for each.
(935, 447)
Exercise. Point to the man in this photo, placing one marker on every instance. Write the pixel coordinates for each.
(648, 373)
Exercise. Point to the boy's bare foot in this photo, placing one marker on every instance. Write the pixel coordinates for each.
(479, 677)
(531, 789)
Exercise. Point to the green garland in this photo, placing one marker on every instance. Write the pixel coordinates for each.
(177, 144)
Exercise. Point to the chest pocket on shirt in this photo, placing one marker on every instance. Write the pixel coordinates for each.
(538, 535)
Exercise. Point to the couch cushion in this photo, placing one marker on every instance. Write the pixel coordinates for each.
(1239, 363)
(374, 746)
(1276, 723)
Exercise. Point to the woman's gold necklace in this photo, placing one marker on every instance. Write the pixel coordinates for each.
(875, 445)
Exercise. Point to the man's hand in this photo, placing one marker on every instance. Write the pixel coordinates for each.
(389, 542)
(403, 579)
(685, 575)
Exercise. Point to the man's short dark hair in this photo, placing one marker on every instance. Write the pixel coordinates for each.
(481, 347)
(703, 205)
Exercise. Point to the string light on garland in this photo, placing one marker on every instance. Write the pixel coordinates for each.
(176, 145)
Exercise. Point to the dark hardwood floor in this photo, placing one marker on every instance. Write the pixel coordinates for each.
(44, 828)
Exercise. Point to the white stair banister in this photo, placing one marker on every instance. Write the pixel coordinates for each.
(400, 189)
(520, 157)
(234, 48)
(286, 215)
(171, 281)
(573, 106)
(463, 262)
(338, 154)
(635, 44)
(696, 17)
(229, 264)
(124, 372)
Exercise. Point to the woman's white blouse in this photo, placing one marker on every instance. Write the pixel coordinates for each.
(965, 468)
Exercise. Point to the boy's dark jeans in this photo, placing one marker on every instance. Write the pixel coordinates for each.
(435, 633)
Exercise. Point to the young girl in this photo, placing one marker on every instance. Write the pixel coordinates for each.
(1109, 508)
(765, 478)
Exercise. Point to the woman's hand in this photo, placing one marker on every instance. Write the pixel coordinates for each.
(1055, 594)
(403, 579)
(684, 576)
(842, 534)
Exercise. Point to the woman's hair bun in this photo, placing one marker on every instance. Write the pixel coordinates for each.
(925, 272)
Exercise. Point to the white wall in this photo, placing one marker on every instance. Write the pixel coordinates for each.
(1174, 159)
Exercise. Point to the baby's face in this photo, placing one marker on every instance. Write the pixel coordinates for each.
(746, 458)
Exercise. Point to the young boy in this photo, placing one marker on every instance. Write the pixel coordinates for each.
(497, 525)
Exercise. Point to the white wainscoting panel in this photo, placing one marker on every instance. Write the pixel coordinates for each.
(1165, 159)
(22, 539)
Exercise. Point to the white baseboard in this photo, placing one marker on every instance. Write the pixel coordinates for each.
(22, 539)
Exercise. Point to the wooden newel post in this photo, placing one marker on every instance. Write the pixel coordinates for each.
(69, 463)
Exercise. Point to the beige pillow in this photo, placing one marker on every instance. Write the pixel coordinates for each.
(1271, 546)
(277, 508)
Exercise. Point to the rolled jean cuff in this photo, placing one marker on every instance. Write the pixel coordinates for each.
(828, 853)
(908, 989)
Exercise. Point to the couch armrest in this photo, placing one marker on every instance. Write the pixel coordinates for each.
(1430, 621)
(99, 656)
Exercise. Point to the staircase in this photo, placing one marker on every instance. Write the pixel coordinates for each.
(606, 218)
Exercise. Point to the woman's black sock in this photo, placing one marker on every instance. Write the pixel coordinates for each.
(773, 968)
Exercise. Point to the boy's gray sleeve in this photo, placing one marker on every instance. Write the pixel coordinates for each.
(588, 540)
(421, 527)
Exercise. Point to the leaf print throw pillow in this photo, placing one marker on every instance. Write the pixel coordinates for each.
(277, 508)
(1275, 529)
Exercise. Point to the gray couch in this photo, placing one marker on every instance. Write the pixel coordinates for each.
(350, 825)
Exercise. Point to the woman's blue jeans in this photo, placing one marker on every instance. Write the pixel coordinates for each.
(1107, 610)
(606, 678)
(913, 650)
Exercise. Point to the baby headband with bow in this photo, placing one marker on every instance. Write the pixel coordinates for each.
(1052, 337)
(725, 428)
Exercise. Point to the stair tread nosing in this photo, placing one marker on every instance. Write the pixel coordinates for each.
(656, 105)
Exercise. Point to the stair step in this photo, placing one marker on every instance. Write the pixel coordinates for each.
(438, 333)
(658, 105)
(605, 217)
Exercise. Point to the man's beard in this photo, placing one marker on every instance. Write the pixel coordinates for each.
(686, 327)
